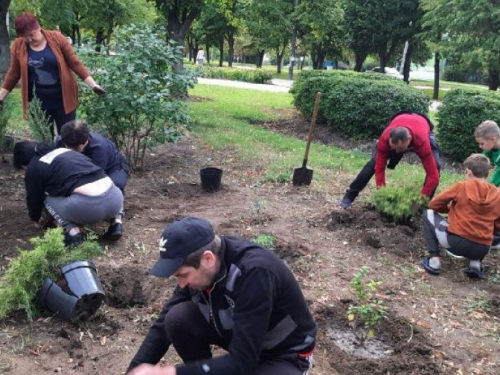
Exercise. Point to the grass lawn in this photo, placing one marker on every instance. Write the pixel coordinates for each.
(227, 121)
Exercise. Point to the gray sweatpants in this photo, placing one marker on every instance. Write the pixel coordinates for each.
(78, 209)
(436, 234)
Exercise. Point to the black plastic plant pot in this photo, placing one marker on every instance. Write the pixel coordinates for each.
(211, 179)
(76, 296)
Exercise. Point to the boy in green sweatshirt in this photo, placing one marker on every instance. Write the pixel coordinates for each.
(487, 136)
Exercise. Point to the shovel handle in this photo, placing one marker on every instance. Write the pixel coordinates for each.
(312, 126)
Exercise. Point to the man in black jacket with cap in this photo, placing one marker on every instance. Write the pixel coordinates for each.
(231, 293)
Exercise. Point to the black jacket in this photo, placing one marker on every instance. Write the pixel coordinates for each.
(257, 305)
(103, 153)
(57, 174)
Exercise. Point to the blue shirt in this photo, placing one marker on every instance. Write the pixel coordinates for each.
(43, 75)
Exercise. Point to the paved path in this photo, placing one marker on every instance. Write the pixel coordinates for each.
(242, 85)
(278, 85)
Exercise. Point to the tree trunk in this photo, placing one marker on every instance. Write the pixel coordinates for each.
(4, 39)
(99, 39)
(207, 53)
(294, 44)
(407, 63)
(221, 49)
(360, 58)
(383, 58)
(261, 58)
(190, 49)
(435, 95)
(196, 48)
(230, 42)
(279, 60)
(493, 79)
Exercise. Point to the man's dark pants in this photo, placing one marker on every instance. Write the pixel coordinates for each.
(192, 337)
(365, 175)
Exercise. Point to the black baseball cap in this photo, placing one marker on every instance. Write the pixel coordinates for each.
(180, 239)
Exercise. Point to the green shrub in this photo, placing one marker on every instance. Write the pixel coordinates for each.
(27, 273)
(459, 115)
(145, 103)
(266, 240)
(398, 202)
(367, 312)
(38, 123)
(234, 74)
(359, 105)
(4, 122)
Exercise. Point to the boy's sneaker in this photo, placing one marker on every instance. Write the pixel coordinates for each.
(75, 240)
(346, 203)
(495, 245)
(475, 270)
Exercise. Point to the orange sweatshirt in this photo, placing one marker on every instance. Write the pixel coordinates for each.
(474, 209)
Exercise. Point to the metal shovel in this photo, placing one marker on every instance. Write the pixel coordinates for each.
(303, 175)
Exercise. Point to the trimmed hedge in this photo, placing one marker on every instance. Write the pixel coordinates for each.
(234, 74)
(359, 105)
(459, 115)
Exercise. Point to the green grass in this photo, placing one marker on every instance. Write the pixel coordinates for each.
(226, 123)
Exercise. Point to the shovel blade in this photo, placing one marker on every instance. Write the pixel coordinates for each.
(302, 176)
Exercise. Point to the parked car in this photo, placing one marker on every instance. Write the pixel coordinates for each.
(389, 71)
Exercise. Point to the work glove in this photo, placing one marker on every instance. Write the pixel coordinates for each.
(99, 90)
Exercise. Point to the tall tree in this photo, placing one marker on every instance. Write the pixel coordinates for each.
(472, 27)
(4, 38)
(321, 29)
(357, 18)
(270, 25)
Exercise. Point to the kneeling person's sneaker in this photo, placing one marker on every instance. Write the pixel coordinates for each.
(74, 240)
(114, 232)
(346, 203)
(475, 270)
(495, 245)
(431, 265)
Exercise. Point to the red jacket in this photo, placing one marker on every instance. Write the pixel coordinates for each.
(419, 130)
(68, 63)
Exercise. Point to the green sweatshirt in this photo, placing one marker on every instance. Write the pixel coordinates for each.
(494, 156)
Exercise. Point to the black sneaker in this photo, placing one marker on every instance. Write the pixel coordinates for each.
(114, 232)
(346, 203)
(75, 240)
(495, 245)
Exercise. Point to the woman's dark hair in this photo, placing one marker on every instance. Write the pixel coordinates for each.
(23, 152)
(25, 23)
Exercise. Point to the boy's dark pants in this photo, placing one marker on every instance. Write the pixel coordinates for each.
(192, 337)
(436, 234)
(365, 175)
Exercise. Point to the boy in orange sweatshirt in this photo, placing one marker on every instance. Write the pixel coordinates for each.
(473, 208)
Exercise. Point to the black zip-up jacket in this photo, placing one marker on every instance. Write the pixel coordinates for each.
(103, 153)
(57, 174)
(256, 303)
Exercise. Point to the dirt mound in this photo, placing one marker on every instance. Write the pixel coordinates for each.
(130, 285)
(401, 347)
(368, 227)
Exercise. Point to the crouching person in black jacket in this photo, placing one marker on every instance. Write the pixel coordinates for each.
(231, 293)
(104, 153)
(74, 190)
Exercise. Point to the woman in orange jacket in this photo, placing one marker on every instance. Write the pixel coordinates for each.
(44, 61)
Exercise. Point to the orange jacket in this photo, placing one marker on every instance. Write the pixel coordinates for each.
(68, 63)
(474, 209)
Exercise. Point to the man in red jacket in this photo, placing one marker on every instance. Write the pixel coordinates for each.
(407, 131)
